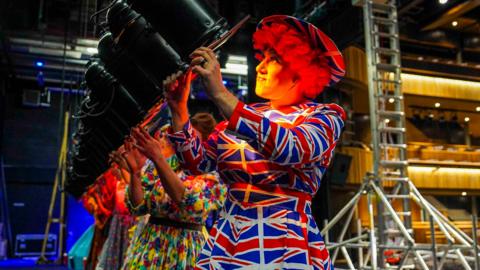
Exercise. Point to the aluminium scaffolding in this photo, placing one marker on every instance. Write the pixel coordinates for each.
(389, 180)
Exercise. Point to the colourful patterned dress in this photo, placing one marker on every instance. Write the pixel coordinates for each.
(168, 247)
(273, 162)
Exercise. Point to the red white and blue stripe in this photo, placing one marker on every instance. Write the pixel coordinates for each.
(273, 162)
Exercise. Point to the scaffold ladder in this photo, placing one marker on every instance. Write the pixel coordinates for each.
(387, 120)
(389, 184)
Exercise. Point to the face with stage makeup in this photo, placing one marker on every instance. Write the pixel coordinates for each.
(275, 80)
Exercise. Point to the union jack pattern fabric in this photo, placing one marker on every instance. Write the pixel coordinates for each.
(273, 162)
(317, 39)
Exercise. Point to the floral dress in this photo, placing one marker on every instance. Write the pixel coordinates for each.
(273, 162)
(170, 247)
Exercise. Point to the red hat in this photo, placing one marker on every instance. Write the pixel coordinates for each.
(317, 40)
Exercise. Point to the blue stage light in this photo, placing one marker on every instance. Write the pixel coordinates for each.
(39, 63)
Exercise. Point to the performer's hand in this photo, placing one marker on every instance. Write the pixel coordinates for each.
(205, 64)
(134, 159)
(177, 89)
(149, 146)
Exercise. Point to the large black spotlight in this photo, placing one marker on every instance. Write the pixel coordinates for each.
(144, 44)
(185, 24)
(111, 95)
(159, 35)
(119, 64)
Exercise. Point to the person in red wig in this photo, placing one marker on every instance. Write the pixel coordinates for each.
(272, 155)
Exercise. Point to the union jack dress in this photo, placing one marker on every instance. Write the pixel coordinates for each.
(273, 162)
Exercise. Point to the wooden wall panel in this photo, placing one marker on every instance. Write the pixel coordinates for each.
(423, 177)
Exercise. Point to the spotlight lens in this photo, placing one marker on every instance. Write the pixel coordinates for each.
(467, 119)
(464, 193)
(391, 100)
(454, 23)
(477, 109)
(39, 64)
(437, 105)
(443, 2)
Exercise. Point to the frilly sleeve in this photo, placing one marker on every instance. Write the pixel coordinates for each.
(203, 194)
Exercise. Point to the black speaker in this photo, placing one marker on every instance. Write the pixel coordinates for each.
(337, 174)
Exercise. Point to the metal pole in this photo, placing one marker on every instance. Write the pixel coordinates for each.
(394, 215)
(326, 234)
(418, 197)
(347, 257)
(360, 250)
(343, 232)
(434, 249)
(460, 235)
(367, 257)
(373, 240)
(444, 257)
(344, 210)
(462, 259)
(405, 257)
(348, 241)
(475, 239)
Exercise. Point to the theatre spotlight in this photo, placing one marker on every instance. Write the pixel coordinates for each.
(160, 35)
(119, 64)
(104, 119)
(185, 24)
(144, 44)
(106, 90)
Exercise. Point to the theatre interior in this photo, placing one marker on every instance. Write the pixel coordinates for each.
(402, 190)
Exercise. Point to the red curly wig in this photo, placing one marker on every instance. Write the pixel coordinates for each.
(295, 52)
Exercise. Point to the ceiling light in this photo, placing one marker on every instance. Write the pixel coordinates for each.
(464, 193)
(467, 119)
(391, 100)
(477, 109)
(387, 121)
(454, 23)
(443, 2)
(92, 50)
(420, 58)
(437, 105)
(431, 115)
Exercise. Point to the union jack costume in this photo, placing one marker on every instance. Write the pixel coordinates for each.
(273, 162)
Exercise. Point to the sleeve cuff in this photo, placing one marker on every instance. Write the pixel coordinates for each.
(135, 210)
(235, 117)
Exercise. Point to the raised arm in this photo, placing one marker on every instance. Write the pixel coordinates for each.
(312, 139)
(194, 156)
(132, 161)
(152, 149)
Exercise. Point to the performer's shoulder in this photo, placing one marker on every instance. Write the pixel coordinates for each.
(329, 108)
